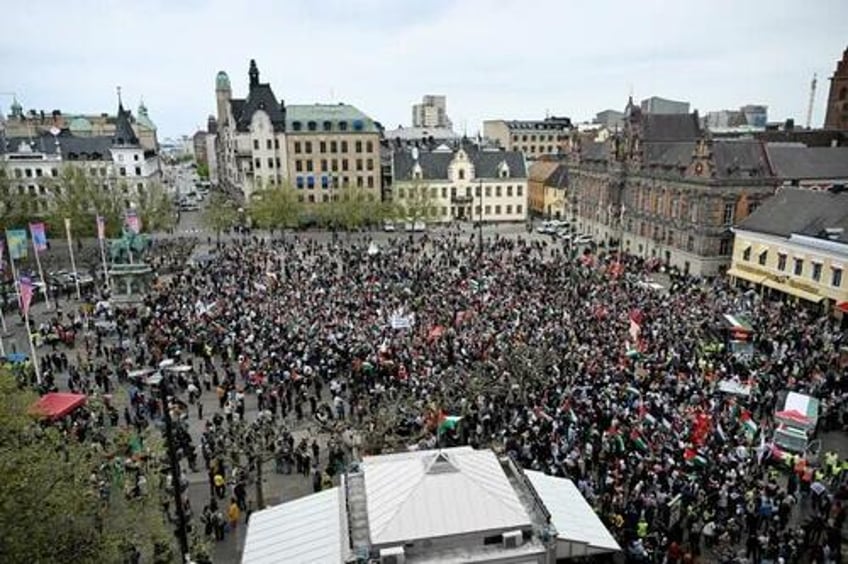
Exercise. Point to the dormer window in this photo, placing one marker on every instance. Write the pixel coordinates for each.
(328, 126)
(296, 125)
(462, 174)
(504, 173)
(342, 126)
(312, 126)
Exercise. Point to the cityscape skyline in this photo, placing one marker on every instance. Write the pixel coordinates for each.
(491, 59)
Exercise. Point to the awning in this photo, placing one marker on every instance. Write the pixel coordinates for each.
(56, 405)
(842, 306)
(792, 291)
(749, 276)
(580, 532)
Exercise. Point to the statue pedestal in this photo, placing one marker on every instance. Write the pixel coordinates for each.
(129, 282)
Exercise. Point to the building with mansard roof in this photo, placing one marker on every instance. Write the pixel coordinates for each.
(115, 161)
(663, 188)
(318, 149)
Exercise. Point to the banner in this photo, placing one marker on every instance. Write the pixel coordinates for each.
(132, 221)
(26, 293)
(398, 321)
(2, 256)
(101, 228)
(39, 236)
(17, 241)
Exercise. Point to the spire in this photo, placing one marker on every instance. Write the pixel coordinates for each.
(120, 102)
(253, 73)
(124, 134)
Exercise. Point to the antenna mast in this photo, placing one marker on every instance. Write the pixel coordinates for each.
(812, 100)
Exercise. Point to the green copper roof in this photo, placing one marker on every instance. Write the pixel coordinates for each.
(80, 125)
(222, 81)
(327, 118)
(143, 118)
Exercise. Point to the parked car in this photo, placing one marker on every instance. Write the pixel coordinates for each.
(545, 227)
(415, 227)
(388, 226)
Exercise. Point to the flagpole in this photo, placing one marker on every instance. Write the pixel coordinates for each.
(73, 262)
(32, 347)
(41, 274)
(101, 237)
(105, 267)
(15, 279)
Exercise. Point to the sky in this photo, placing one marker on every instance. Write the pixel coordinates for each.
(493, 59)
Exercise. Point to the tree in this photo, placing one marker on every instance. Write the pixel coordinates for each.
(352, 208)
(14, 208)
(62, 499)
(203, 170)
(155, 208)
(275, 207)
(76, 197)
(220, 215)
(418, 203)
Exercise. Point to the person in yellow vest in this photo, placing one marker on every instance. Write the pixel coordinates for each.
(642, 528)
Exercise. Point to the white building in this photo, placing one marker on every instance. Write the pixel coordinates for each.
(431, 113)
(447, 506)
(462, 183)
(117, 162)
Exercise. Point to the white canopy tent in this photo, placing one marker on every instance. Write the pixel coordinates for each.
(580, 531)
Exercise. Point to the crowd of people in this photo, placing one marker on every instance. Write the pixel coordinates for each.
(534, 350)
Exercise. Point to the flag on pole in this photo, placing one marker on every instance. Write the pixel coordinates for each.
(39, 236)
(101, 228)
(132, 221)
(2, 257)
(26, 293)
(17, 241)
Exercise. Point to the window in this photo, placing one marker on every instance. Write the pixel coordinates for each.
(268, 144)
(297, 146)
(322, 146)
(369, 164)
(509, 191)
(270, 162)
(343, 126)
(138, 171)
(311, 126)
(344, 164)
(497, 210)
(359, 164)
(369, 147)
(781, 261)
(258, 163)
(310, 181)
(359, 182)
(299, 182)
(335, 165)
(334, 147)
(277, 162)
(401, 193)
(509, 210)
(690, 243)
(307, 146)
(498, 191)
(836, 277)
(344, 146)
(518, 210)
(323, 165)
(325, 181)
(453, 191)
(477, 191)
(122, 171)
(309, 165)
(487, 210)
(468, 191)
(444, 192)
(54, 172)
(311, 198)
(298, 166)
(462, 174)
(28, 173)
(519, 191)
(276, 143)
(358, 146)
(729, 209)
(300, 198)
(371, 182)
(18, 173)
(746, 254)
(817, 271)
(256, 144)
(799, 266)
(488, 191)
(763, 258)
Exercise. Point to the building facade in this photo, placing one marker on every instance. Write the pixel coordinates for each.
(664, 189)
(796, 246)
(813, 168)
(547, 187)
(657, 105)
(534, 138)
(837, 99)
(261, 142)
(116, 162)
(431, 113)
(36, 123)
(461, 183)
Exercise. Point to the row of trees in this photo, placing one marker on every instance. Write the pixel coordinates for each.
(350, 209)
(76, 195)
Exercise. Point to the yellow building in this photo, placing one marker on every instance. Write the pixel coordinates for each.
(796, 245)
(547, 187)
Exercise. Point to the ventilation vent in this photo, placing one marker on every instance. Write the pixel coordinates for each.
(441, 464)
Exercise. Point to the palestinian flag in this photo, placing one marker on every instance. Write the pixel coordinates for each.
(638, 441)
(448, 422)
(540, 414)
(748, 423)
(691, 456)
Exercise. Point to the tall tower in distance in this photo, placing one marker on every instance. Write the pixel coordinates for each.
(837, 100)
(223, 93)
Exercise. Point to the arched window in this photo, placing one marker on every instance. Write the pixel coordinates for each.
(462, 174)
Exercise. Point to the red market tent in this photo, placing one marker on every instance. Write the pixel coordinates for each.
(56, 405)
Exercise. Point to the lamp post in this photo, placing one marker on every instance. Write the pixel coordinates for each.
(480, 223)
(176, 483)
